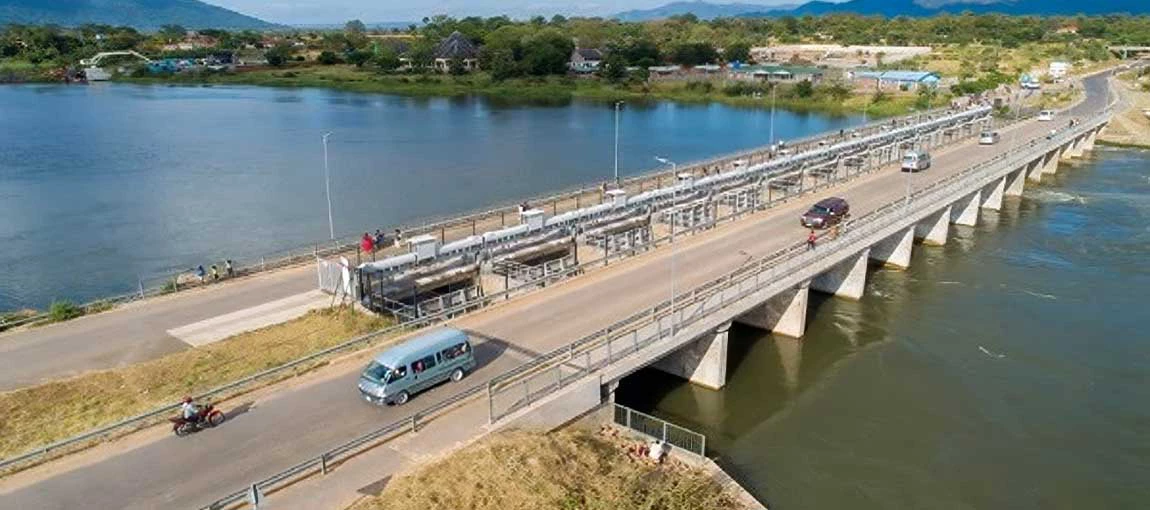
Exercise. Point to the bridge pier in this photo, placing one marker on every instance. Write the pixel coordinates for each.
(1050, 164)
(703, 361)
(992, 194)
(785, 314)
(1016, 181)
(965, 211)
(1088, 144)
(1073, 149)
(847, 279)
(895, 250)
(1034, 169)
(935, 228)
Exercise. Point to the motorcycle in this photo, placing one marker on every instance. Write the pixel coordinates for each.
(208, 417)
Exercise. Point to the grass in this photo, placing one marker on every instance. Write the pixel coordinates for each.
(40, 415)
(567, 469)
(549, 90)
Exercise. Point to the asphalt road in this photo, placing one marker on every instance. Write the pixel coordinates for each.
(304, 420)
(135, 332)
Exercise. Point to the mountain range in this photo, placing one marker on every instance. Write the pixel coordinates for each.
(892, 8)
(141, 14)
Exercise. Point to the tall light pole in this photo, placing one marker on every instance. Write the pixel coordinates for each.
(674, 170)
(617, 105)
(773, 87)
(327, 186)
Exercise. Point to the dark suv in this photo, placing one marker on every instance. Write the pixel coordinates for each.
(827, 213)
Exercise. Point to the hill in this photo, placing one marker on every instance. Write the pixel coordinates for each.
(892, 8)
(142, 14)
(702, 10)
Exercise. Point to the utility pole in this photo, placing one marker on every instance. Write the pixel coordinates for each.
(617, 105)
(327, 186)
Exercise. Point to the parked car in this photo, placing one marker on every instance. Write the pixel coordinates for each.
(914, 161)
(416, 365)
(988, 138)
(827, 213)
(1046, 115)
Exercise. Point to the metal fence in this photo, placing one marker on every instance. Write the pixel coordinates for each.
(665, 431)
(656, 323)
(247, 383)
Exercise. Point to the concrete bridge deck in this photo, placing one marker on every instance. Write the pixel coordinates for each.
(325, 410)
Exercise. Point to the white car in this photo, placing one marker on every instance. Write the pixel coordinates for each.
(988, 138)
(1046, 115)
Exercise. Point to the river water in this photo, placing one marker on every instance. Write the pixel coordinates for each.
(103, 185)
(1006, 370)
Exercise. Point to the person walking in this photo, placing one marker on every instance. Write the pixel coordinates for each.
(811, 240)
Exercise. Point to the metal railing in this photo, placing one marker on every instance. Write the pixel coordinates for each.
(682, 313)
(655, 428)
(529, 285)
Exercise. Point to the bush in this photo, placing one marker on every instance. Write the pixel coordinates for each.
(328, 58)
(704, 87)
(64, 310)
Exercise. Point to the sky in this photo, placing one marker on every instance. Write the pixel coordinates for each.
(374, 11)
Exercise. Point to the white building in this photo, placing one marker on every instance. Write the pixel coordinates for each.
(1058, 70)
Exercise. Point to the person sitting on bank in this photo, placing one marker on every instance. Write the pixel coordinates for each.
(366, 243)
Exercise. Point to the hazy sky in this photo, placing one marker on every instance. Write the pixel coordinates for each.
(338, 11)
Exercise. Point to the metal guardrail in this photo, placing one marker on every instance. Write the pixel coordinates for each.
(431, 225)
(554, 370)
(156, 415)
(655, 428)
(772, 265)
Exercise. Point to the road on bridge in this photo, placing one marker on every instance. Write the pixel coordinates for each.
(302, 420)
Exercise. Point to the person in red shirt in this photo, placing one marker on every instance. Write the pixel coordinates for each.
(367, 243)
(811, 240)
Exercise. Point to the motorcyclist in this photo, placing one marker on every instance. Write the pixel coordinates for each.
(190, 410)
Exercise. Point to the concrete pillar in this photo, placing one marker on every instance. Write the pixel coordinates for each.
(894, 250)
(1088, 144)
(784, 314)
(992, 194)
(1050, 165)
(1034, 169)
(847, 279)
(703, 361)
(965, 210)
(1068, 150)
(1016, 181)
(935, 228)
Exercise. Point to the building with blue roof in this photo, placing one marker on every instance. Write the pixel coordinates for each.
(909, 80)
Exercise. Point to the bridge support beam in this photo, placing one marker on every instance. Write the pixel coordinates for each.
(935, 228)
(965, 210)
(1050, 164)
(1088, 144)
(992, 194)
(895, 250)
(703, 362)
(1074, 149)
(847, 279)
(784, 314)
(1016, 181)
(1034, 172)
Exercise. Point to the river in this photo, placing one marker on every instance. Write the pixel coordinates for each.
(105, 185)
(1005, 370)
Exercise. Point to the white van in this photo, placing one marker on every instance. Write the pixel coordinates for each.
(914, 161)
(416, 365)
(1046, 115)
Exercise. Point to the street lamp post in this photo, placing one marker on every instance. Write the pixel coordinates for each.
(617, 105)
(327, 186)
(773, 87)
(674, 170)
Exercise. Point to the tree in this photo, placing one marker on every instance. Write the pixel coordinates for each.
(354, 27)
(546, 52)
(359, 57)
(737, 52)
(693, 54)
(278, 55)
(613, 68)
(455, 67)
(387, 60)
(500, 62)
(804, 89)
(327, 58)
(172, 33)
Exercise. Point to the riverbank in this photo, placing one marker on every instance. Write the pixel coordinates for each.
(1131, 127)
(555, 90)
(570, 468)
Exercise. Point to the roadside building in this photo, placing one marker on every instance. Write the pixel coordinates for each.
(585, 60)
(775, 73)
(894, 80)
(1058, 70)
(455, 47)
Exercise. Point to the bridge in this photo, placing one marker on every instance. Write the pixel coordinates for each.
(1125, 52)
(99, 57)
(555, 351)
